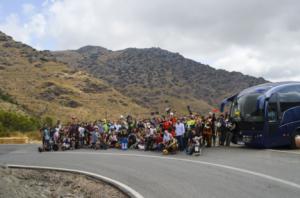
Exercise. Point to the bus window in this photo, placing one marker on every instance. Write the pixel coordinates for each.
(272, 112)
(289, 97)
(234, 111)
(287, 105)
(247, 106)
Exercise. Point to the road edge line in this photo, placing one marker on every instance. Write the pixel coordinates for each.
(281, 151)
(121, 186)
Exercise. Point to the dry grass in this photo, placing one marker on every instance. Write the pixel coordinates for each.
(25, 82)
(32, 136)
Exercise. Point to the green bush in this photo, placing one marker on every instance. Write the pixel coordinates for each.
(2, 129)
(48, 121)
(12, 121)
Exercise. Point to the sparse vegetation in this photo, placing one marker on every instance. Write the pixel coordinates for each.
(50, 88)
(6, 97)
(12, 121)
(155, 78)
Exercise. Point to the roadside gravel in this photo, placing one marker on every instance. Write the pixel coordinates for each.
(25, 183)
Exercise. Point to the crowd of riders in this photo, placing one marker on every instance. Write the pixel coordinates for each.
(167, 134)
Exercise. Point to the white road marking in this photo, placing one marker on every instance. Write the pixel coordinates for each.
(281, 151)
(116, 183)
(245, 171)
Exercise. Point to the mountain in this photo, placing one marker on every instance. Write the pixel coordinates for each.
(155, 78)
(94, 82)
(33, 82)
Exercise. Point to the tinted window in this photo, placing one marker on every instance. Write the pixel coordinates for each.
(290, 94)
(289, 97)
(248, 111)
(272, 112)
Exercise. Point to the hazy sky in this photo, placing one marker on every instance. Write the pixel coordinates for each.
(256, 37)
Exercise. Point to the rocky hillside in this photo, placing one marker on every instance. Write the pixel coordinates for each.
(156, 78)
(34, 82)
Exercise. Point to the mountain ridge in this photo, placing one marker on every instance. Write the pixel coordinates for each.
(147, 80)
(156, 72)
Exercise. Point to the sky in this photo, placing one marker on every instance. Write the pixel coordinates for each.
(255, 37)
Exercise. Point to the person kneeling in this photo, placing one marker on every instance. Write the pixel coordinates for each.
(169, 143)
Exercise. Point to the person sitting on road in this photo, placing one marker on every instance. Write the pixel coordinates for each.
(132, 141)
(158, 141)
(170, 143)
(190, 142)
(193, 139)
(140, 140)
(149, 141)
(113, 140)
(104, 144)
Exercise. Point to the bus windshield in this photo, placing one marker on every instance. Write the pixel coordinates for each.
(244, 108)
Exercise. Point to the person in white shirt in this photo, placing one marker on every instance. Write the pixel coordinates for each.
(81, 131)
(117, 126)
(180, 130)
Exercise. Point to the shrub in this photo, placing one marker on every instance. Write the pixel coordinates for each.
(12, 121)
(48, 121)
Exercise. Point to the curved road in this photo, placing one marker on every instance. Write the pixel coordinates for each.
(219, 172)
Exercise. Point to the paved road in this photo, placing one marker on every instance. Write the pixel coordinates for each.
(220, 172)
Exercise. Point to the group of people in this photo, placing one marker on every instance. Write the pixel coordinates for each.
(167, 134)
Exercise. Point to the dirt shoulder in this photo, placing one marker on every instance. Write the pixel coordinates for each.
(43, 183)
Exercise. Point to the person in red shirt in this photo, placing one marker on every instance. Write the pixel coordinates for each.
(167, 125)
(158, 141)
(173, 119)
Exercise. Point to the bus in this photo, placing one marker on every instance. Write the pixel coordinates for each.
(267, 115)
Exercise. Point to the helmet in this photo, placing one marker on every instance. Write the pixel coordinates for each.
(165, 152)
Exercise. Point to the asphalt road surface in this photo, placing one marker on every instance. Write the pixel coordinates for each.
(219, 172)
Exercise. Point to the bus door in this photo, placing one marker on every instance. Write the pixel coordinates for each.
(273, 121)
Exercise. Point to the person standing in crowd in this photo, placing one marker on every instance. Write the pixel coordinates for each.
(190, 124)
(105, 126)
(58, 125)
(213, 128)
(73, 133)
(81, 131)
(94, 137)
(232, 130)
(221, 129)
(46, 136)
(199, 126)
(180, 130)
(207, 132)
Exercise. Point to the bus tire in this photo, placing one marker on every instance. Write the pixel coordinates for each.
(295, 144)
